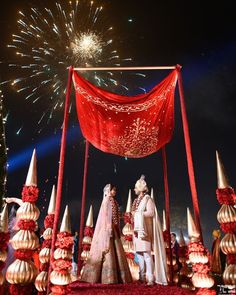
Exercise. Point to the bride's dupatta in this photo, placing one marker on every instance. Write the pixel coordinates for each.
(101, 240)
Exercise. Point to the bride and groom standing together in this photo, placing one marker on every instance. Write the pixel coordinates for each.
(107, 263)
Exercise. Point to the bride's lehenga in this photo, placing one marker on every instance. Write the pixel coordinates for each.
(107, 263)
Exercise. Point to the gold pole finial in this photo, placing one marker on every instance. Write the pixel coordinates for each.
(222, 181)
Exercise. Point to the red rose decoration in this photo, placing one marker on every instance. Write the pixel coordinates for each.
(26, 224)
(231, 259)
(226, 196)
(61, 264)
(201, 268)
(23, 254)
(64, 241)
(21, 290)
(195, 247)
(59, 290)
(47, 244)
(86, 247)
(228, 227)
(128, 238)
(48, 221)
(88, 231)
(30, 194)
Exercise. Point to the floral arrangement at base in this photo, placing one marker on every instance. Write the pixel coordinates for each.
(227, 219)
(199, 257)
(60, 277)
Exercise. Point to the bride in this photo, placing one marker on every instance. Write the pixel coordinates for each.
(107, 262)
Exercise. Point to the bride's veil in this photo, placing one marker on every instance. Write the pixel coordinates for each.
(103, 228)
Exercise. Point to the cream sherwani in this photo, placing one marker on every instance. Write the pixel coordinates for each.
(144, 243)
(148, 239)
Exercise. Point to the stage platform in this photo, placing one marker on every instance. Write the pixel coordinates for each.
(126, 289)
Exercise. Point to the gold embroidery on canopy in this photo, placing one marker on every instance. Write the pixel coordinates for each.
(125, 107)
(139, 139)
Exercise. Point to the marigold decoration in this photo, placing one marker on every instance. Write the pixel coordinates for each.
(127, 239)
(44, 255)
(22, 272)
(88, 236)
(4, 239)
(60, 277)
(199, 258)
(227, 218)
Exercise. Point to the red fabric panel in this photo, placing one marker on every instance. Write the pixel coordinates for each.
(130, 126)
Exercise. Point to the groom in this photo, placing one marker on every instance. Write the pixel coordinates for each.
(148, 237)
(143, 231)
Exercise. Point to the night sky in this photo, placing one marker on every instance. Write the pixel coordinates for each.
(202, 39)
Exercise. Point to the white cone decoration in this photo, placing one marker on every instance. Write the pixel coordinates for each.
(31, 179)
(65, 224)
(89, 221)
(193, 233)
(129, 203)
(52, 203)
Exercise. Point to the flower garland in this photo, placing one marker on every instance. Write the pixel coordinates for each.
(30, 194)
(64, 241)
(228, 227)
(115, 211)
(88, 231)
(226, 196)
(27, 224)
(48, 221)
(23, 254)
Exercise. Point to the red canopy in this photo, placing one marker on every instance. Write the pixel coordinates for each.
(130, 126)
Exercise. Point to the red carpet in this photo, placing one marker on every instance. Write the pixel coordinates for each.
(129, 289)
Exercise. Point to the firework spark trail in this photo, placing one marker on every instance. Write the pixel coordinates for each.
(49, 39)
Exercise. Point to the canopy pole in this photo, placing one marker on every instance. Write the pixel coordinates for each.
(167, 208)
(86, 156)
(189, 153)
(126, 68)
(60, 171)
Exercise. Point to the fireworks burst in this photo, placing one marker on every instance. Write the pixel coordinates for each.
(51, 39)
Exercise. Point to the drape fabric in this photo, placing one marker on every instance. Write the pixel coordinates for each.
(130, 126)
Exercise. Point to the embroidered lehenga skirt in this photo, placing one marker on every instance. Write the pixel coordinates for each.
(113, 268)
